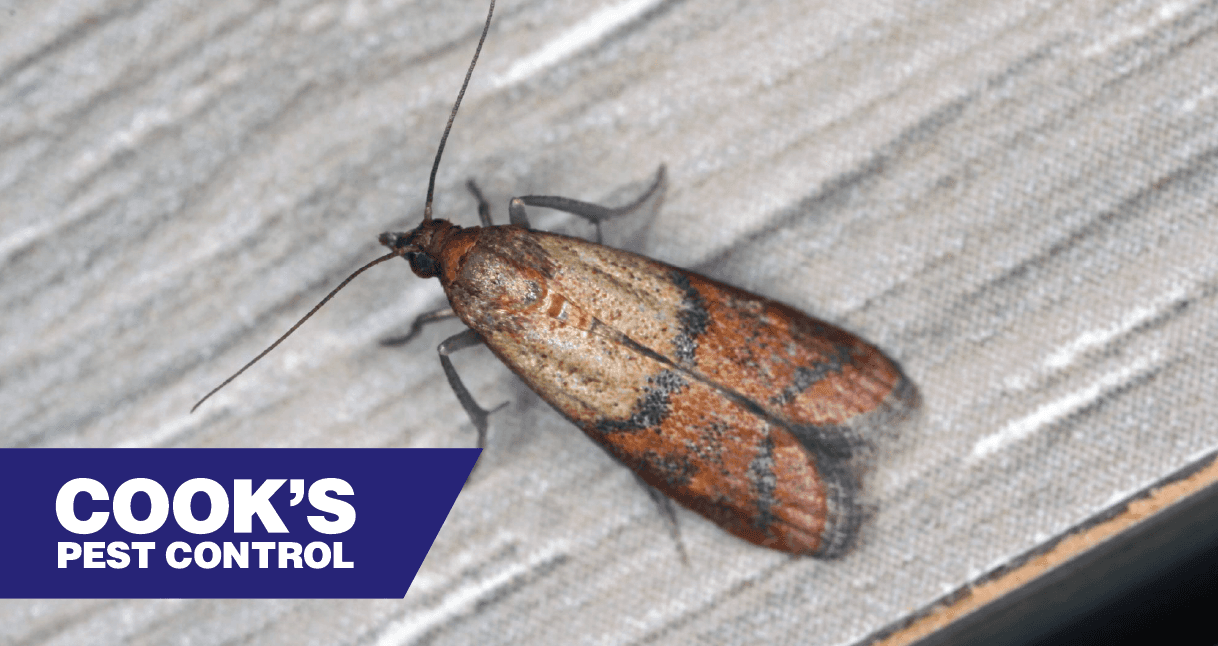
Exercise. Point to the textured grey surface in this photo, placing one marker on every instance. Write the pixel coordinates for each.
(1017, 200)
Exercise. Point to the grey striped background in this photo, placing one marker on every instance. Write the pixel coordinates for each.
(1017, 200)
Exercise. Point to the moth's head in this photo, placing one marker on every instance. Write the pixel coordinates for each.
(422, 247)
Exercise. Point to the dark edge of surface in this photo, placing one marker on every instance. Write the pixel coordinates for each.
(1158, 578)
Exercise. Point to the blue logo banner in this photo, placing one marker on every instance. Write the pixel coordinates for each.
(222, 523)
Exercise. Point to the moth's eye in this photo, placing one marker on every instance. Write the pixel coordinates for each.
(424, 265)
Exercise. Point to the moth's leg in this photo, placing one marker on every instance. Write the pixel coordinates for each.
(669, 512)
(484, 208)
(516, 214)
(416, 327)
(477, 414)
(594, 213)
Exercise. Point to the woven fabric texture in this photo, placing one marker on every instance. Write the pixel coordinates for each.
(1016, 200)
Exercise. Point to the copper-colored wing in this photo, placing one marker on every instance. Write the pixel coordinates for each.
(738, 407)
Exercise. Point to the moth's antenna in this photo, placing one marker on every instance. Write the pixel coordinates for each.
(388, 256)
(431, 187)
(431, 183)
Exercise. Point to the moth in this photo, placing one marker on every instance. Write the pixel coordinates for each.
(742, 409)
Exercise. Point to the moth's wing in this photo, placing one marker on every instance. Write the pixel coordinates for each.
(693, 384)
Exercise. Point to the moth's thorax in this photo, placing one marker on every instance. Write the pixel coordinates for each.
(501, 273)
